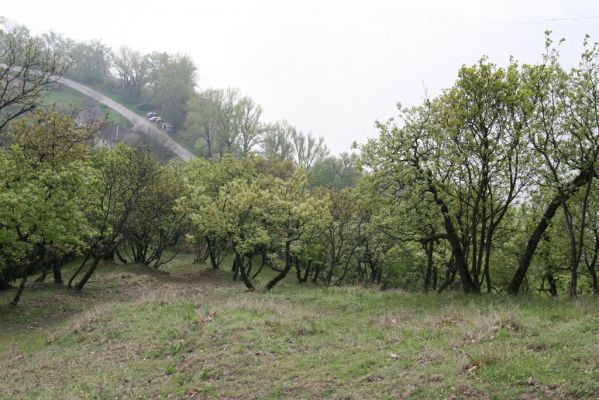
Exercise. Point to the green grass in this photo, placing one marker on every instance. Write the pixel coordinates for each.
(192, 333)
(110, 90)
(70, 101)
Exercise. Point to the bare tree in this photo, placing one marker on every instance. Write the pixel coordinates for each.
(308, 149)
(27, 68)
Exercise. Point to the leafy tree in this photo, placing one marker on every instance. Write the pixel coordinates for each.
(466, 150)
(277, 142)
(564, 138)
(155, 224)
(121, 179)
(91, 61)
(201, 126)
(174, 82)
(336, 172)
(45, 189)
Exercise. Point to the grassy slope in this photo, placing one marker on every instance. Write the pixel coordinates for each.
(194, 334)
(71, 101)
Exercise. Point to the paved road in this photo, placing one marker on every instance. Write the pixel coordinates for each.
(139, 123)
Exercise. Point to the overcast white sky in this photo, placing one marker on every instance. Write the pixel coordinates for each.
(330, 67)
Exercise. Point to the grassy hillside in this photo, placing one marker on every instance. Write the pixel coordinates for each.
(133, 103)
(71, 101)
(192, 333)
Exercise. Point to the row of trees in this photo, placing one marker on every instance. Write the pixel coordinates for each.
(61, 200)
(222, 122)
(497, 157)
(489, 186)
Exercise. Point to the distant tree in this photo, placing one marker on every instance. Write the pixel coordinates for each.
(249, 125)
(225, 108)
(132, 70)
(308, 149)
(335, 172)
(175, 82)
(277, 141)
(91, 61)
(201, 125)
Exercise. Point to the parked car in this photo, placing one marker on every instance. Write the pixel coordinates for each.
(151, 114)
(155, 118)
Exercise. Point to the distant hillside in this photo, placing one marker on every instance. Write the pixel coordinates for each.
(71, 101)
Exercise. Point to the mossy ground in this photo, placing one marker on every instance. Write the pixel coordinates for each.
(192, 333)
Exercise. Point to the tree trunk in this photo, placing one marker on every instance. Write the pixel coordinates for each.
(429, 265)
(88, 274)
(56, 271)
(120, 256)
(307, 272)
(591, 265)
(285, 270)
(235, 268)
(17, 297)
(552, 285)
(468, 284)
(42, 277)
(487, 269)
(450, 273)
(69, 285)
(244, 277)
(211, 254)
(537, 233)
(298, 272)
(316, 274)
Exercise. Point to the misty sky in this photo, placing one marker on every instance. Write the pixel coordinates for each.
(330, 67)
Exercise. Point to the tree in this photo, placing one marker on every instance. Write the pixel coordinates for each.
(132, 70)
(91, 61)
(27, 69)
(204, 180)
(307, 149)
(297, 217)
(466, 150)
(46, 184)
(249, 125)
(121, 178)
(201, 126)
(174, 83)
(336, 172)
(155, 224)
(564, 138)
(277, 142)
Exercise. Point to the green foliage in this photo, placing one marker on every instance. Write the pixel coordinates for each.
(46, 184)
(335, 172)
